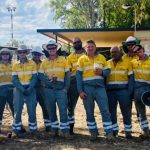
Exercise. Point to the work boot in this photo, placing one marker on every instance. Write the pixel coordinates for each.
(66, 135)
(48, 129)
(23, 130)
(34, 133)
(20, 134)
(110, 137)
(54, 133)
(128, 135)
(145, 134)
(71, 128)
(93, 136)
(115, 133)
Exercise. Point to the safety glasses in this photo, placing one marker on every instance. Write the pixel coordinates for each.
(22, 52)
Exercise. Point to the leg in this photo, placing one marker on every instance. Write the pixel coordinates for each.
(31, 109)
(112, 101)
(18, 106)
(2, 106)
(40, 98)
(102, 101)
(125, 106)
(50, 102)
(89, 108)
(62, 103)
(10, 101)
(73, 96)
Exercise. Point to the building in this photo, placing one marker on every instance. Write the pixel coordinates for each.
(104, 38)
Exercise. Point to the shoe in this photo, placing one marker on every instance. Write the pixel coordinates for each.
(115, 134)
(128, 135)
(20, 135)
(145, 135)
(110, 137)
(54, 133)
(23, 130)
(93, 136)
(66, 136)
(34, 134)
(71, 129)
(48, 129)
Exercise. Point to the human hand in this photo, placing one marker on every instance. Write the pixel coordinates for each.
(82, 95)
(53, 77)
(98, 71)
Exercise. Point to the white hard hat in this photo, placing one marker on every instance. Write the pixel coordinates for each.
(130, 39)
(6, 50)
(37, 49)
(22, 48)
(51, 43)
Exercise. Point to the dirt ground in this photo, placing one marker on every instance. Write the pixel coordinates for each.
(44, 140)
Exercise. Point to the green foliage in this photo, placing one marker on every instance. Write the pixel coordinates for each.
(101, 13)
(75, 13)
(16, 43)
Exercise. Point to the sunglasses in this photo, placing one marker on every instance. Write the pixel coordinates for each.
(131, 44)
(51, 48)
(36, 54)
(76, 42)
(22, 52)
(4, 53)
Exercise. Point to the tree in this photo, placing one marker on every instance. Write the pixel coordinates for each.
(16, 43)
(76, 13)
(100, 13)
(113, 15)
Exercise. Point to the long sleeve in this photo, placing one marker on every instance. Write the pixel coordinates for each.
(79, 77)
(17, 83)
(106, 72)
(106, 69)
(44, 78)
(67, 80)
(15, 80)
(130, 80)
(79, 81)
(67, 75)
(33, 81)
(131, 85)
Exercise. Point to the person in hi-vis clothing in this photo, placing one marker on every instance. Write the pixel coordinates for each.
(24, 77)
(91, 71)
(55, 75)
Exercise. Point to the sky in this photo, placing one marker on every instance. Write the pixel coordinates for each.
(29, 16)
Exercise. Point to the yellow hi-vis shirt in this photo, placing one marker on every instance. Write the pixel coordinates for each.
(38, 66)
(5, 74)
(72, 62)
(128, 58)
(119, 73)
(86, 66)
(57, 66)
(141, 70)
(24, 71)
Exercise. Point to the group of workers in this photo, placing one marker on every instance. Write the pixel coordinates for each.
(59, 81)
